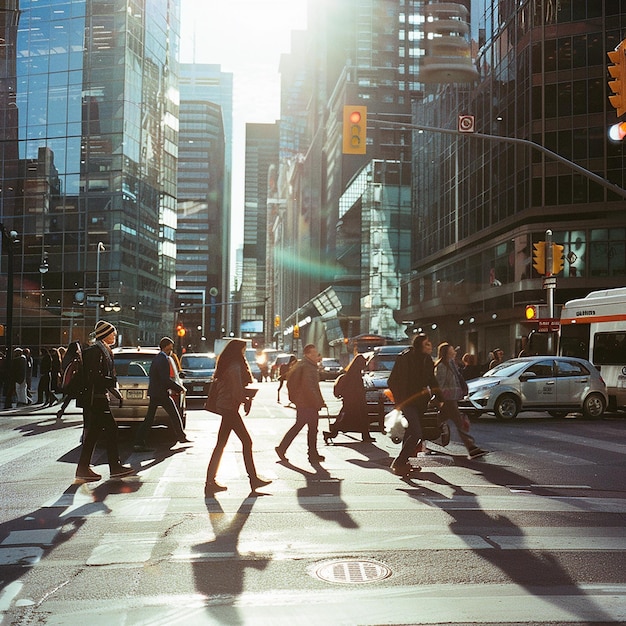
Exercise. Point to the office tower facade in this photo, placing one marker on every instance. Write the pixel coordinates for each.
(358, 53)
(89, 178)
(260, 190)
(201, 253)
(203, 235)
(483, 203)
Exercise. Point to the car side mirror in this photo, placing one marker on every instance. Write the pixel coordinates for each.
(527, 376)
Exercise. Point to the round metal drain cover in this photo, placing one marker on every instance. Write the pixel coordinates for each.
(351, 571)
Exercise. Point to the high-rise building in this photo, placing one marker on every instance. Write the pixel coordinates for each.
(201, 249)
(260, 190)
(481, 204)
(355, 52)
(89, 166)
(203, 234)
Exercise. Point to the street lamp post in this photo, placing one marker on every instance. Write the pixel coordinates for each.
(43, 269)
(101, 248)
(9, 241)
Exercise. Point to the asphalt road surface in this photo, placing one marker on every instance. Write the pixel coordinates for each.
(533, 533)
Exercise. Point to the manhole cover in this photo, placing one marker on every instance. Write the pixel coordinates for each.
(351, 571)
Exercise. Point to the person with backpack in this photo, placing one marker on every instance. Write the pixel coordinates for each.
(100, 385)
(72, 379)
(283, 374)
(303, 386)
(353, 415)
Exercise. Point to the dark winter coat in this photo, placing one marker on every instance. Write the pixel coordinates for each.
(412, 380)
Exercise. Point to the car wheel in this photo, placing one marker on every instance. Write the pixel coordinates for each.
(593, 406)
(506, 407)
(558, 413)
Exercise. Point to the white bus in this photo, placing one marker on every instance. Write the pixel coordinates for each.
(594, 328)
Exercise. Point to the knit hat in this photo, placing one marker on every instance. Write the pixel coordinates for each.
(103, 329)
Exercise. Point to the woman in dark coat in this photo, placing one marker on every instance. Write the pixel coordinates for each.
(71, 389)
(55, 375)
(354, 416)
(232, 374)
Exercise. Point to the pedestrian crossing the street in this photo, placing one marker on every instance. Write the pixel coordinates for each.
(157, 526)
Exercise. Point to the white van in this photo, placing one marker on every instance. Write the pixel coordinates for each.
(594, 328)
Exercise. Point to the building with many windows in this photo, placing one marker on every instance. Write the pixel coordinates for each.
(260, 191)
(201, 237)
(88, 169)
(480, 204)
(203, 234)
(354, 53)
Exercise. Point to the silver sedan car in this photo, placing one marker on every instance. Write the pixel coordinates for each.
(132, 366)
(558, 385)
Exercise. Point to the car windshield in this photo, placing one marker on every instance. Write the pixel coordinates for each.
(133, 364)
(381, 363)
(506, 369)
(198, 362)
(251, 357)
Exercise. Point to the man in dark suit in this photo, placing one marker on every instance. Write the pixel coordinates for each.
(100, 385)
(159, 388)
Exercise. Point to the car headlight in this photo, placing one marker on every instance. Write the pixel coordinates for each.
(483, 390)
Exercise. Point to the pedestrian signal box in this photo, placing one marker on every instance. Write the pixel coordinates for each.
(532, 312)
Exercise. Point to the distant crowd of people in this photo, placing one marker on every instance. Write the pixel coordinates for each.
(18, 372)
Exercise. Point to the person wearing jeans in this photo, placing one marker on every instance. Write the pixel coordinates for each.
(303, 386)
(232, 375)
(454, 388)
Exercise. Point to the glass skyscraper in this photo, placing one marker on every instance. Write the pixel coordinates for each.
(90, 134)
(481, 204)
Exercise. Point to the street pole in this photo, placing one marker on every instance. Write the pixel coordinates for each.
(9, 240)
(100, 248)
(606, 184)
(550, 286)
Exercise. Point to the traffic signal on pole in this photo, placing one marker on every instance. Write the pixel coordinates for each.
(354, 131)
(617, 132)
(277, 321)
(557, 258)
(532, 312)
(539, 257)
(180, 330)
(618, 73)
(296, 332)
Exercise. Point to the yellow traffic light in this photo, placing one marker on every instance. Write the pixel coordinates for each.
(532, 312)
(539, 257)
(557, 258)
(277, 321)
(296, 332)
(354, 131)
(180, 330)
(618, 73)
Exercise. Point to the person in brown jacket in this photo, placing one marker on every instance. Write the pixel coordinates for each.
(303, 386)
